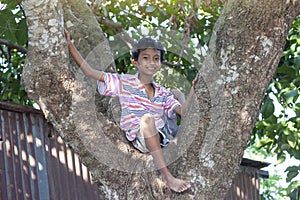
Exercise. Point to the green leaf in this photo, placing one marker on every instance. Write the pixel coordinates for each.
(289, 95)
(267, 108)
(296, 153)
(272, 119)
(264, 142)
(291, 141)
(281, 157)
(286, 132)
(295, 194)
(293, 171)
(297, 61)
(292, 186)
(293, 48)
(285, 147)
(284, 69)
(22, 33)
(11, 4)
(293, 37)
(8, 26)
(5, 15)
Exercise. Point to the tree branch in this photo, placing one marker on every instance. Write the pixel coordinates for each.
(13, 46)
(169, 64)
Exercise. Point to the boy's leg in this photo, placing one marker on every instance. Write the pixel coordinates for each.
(152, 140)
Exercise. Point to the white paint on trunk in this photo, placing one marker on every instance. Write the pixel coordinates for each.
(230, 71)
(199, 180)
(267, 44)
(110, 194)
(208, 162)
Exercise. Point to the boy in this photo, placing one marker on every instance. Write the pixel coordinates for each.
(146, 106)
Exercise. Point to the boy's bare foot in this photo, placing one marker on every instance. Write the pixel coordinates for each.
(177, 185)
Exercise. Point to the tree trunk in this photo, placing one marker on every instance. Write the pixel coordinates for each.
(244, 51)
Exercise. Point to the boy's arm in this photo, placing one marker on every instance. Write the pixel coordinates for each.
(84, 66)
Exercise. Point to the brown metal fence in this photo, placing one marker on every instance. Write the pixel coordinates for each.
(34, 161)
(245, 185)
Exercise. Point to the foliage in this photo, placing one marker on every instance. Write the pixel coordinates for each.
(295, 194)
(276, 133)
(270, 189)
(13, 29)
(183, 21)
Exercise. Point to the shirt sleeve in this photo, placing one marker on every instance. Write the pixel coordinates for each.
(170, 105)
(110, 85)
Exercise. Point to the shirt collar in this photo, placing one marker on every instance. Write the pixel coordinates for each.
(153, 82)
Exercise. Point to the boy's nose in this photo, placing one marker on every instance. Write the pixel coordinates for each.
(152, 61)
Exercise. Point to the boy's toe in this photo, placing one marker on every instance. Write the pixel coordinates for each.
(184, 187)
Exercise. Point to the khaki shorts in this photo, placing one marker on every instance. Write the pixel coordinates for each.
(165, 138)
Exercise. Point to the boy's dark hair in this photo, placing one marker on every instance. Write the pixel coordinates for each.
(145, 43)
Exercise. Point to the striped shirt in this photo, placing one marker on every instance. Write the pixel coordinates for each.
(135, 103)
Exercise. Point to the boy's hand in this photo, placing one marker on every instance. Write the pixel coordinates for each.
(67, 35)
(195, 81)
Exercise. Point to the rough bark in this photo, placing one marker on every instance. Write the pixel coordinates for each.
(244, 51)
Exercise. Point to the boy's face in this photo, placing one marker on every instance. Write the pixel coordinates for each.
(148, 62)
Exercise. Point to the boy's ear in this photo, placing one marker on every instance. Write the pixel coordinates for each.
(134, 62)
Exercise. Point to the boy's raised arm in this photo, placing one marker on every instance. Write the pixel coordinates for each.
(84, 66)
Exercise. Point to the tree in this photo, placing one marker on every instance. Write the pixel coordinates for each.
(225, 101)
